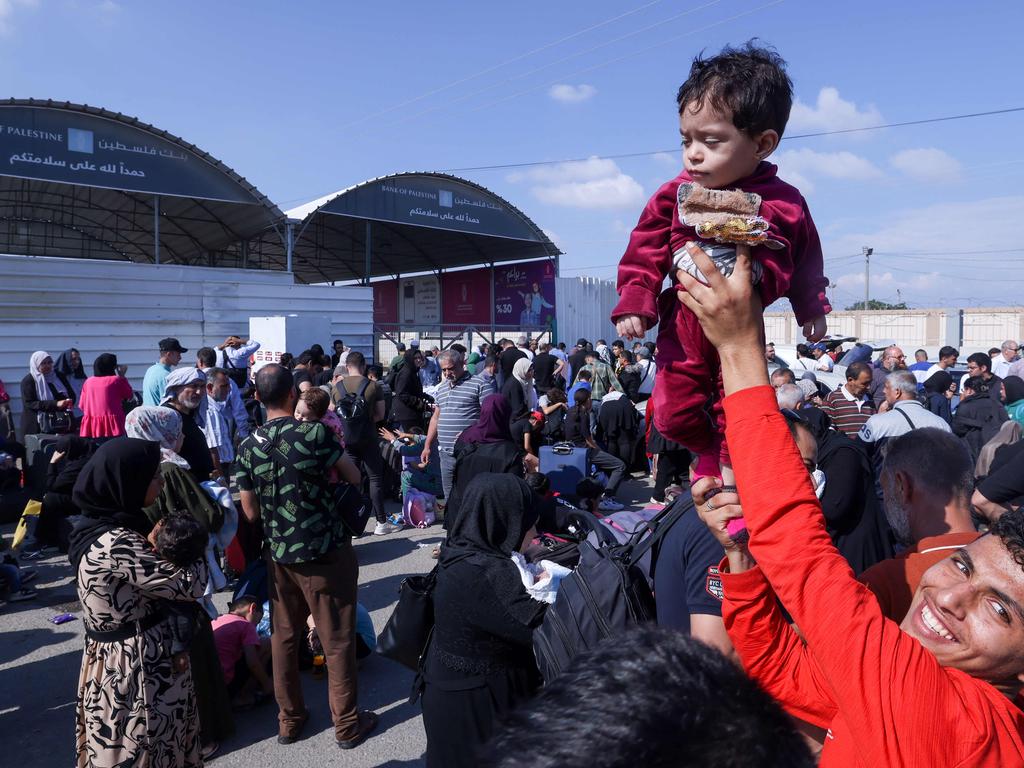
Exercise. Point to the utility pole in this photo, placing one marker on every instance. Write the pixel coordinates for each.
(867, 275)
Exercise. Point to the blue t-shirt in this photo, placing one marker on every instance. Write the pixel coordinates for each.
(686, 578)
(153, 383)
(571, 394)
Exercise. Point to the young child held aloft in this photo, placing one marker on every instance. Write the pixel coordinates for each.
(180, 540)
(733, 109)
(314, 405)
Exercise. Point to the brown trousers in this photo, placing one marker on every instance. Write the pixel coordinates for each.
(326, 590)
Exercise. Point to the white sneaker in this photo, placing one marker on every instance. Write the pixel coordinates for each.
(608, 504)
(659, 503)
(383, 529)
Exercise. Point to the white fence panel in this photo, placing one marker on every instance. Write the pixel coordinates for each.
(584, 309)
(124, 308)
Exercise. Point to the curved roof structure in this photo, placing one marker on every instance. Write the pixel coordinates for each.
(81, 181)
(410, 222)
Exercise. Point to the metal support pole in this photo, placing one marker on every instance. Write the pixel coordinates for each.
(492, 302)
(867, 275)
(289, 245)
(156, 229)
(369, 251)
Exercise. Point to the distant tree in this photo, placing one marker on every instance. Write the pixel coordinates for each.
(875, 304)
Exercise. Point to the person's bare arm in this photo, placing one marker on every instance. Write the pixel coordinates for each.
(711, 630)
(255, 665)
(348, 470)
(305, 385)
(990, 510)
(250, 505)
(431, 435)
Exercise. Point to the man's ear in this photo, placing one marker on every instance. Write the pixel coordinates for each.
(904, 487)
(767, 142)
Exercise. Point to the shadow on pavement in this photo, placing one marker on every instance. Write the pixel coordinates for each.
(20, 642)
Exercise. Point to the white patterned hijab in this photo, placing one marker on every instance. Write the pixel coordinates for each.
(43, 381)
(158, 425)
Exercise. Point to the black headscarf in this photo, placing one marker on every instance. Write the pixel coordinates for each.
(495, 513)
(939, 382)
(70, 369)
(1014, 386)
(493, 517)
(111, 490)
(105, 365)
(830, 440)
(73, 447)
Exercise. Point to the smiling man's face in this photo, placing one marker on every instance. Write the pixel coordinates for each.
(968, 612)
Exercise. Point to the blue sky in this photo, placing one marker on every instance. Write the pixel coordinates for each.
(305, 98)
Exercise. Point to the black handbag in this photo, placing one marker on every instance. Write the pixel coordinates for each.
(54, 422)
(353, 507)
(405, 636)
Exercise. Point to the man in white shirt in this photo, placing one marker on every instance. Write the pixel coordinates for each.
(206, 359)
(821, 356)
(234, 354)
(947, 359)
(903, 411)
(524, 346)
(1008, 352)
(648, 370)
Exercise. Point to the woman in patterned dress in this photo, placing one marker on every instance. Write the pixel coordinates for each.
(134, 709)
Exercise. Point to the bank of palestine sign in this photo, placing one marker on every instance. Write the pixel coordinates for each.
(72, 147)
(431, 201)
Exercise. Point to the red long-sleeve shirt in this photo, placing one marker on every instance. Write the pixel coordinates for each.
(885, 699)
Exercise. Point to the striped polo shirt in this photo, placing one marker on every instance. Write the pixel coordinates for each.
(459, 403)
(848, 414)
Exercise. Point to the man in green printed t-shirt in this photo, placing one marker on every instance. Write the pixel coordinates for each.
(312, 569)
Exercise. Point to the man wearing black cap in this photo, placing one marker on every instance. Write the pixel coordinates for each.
(578, 359)
(153, 383)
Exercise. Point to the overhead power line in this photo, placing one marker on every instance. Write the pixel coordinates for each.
(626, 155)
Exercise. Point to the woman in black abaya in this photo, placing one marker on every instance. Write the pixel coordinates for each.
(480, 661)
(853, 517)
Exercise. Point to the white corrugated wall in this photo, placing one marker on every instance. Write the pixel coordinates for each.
(124, 308)
(583, 309)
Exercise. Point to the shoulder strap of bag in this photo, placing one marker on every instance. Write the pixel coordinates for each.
(901, 413)
(362, 387)
(659, 526)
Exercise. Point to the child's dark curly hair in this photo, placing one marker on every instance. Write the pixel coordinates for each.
(1009, 528)
(181, 539)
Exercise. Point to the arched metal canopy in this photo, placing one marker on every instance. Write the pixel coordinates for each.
(407, 223)
(80, 181)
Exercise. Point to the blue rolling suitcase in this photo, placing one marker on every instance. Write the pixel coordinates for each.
(565, 465)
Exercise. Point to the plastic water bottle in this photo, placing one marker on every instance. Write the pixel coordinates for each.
(318, 666)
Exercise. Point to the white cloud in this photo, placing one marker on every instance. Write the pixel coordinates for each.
(667, 158)
(7, 9)
(572, 94)
(927, 164)
(593, 184)
(831, 113)
(935, 254)
(801, 166)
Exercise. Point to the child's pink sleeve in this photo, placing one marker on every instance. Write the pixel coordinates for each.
(807, 288)
(648, 257)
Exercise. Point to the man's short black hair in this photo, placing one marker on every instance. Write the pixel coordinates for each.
(981, 360)
(338, 343)
(459, 348)
(1010, 530)
(948, 352)
(585, 376)
(976, 384)
(376, 369)
(242, 602)
(650, 697)
(539, 482)
(356, 360)
(590, 353)
(490, 360)
(750, 81)
(181, 539)
(274, 384)
(619, 343)
(305, 358)
(855, 370)
(206, 357)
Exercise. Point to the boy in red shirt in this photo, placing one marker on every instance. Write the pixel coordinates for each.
(935, 689)
(733, 109)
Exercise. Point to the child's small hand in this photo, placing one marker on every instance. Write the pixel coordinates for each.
(631, 327)
(816, 328)
(179, 662)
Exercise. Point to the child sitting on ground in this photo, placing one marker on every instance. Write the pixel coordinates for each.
(243, 654)
(180, 540)
(314, 405)
(733, 109)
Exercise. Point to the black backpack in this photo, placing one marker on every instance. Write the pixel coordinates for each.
(354, 412)
(238, 375)
(605, 595)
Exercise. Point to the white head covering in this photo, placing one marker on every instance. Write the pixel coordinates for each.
(519, 370)
(180, 377)
(158, 425)
(43, 381)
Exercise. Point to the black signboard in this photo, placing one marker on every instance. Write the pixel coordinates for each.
(432, 201)
(76, 148)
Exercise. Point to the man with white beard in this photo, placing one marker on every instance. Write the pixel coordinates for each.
(184, 391)
(927, 479)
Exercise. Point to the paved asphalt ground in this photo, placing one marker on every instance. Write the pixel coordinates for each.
(39, 664)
